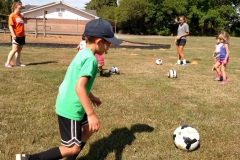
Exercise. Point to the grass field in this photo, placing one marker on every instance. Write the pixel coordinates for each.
(141, 106)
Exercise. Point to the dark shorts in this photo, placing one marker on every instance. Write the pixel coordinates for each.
(181, 42)
(18, 40)
(71, 130)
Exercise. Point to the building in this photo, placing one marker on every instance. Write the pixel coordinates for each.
(60, 18)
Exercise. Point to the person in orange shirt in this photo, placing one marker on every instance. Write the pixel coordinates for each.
(16, 27)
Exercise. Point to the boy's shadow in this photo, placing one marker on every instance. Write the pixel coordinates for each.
(115, 142)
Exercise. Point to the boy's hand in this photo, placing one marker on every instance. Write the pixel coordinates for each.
(93, 123)
(96, 101)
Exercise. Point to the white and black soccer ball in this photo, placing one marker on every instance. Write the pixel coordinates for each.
(186, 138)
(172, 74)
(159, 62)
(114, 70)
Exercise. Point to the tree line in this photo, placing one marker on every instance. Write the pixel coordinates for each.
(159, 17)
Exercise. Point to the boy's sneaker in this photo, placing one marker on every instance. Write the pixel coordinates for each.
(8, 65)
(22, 156)
(185, 64)
(20, 65)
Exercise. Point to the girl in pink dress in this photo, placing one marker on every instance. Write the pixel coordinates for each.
(100, 60)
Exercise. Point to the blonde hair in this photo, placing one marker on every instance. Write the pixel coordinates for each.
(184, 18)
(224, 36)
(14, 5)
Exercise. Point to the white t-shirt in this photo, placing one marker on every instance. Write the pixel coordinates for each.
(82, 44)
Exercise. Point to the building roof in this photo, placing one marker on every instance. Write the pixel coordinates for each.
(31, 8)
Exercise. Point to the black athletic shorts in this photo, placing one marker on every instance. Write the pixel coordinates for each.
(71, 130)
(18, 40)
(181, 42)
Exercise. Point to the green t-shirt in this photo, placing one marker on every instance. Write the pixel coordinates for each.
(68, 104)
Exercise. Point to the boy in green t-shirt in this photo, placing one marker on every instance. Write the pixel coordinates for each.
(76, 117)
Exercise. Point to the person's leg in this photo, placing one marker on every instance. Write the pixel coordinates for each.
(224, 75)
(214, 62)
(56, 153)
(86, 134)
(18, 54)
(180, 51)
(71, 132)
(178, 56)
(100, 69)
(11, 53)
(218, 70)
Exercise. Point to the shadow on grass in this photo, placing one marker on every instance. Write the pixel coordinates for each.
(115, 142)
(106, 74)
(40, 63)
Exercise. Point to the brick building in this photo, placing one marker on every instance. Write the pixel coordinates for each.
(60, 18)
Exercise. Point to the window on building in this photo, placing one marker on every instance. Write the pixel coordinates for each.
(60, 9)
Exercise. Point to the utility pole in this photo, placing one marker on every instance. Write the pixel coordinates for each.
(36, 28)
(44, 23)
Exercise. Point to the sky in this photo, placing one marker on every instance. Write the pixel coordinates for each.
(74, 3)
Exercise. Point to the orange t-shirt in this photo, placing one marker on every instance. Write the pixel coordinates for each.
(16, 21)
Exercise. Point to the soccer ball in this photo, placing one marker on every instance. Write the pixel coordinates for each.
(172, 74)
(114, 70)
(159, 62)
(186, 138)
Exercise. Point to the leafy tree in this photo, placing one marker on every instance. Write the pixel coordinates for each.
(159, 16)
(105, 8)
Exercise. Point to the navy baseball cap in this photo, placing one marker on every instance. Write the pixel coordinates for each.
(102, 29)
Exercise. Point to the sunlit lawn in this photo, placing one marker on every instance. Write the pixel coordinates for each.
(141, 106)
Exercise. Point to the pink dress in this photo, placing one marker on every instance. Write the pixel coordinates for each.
(100, 59)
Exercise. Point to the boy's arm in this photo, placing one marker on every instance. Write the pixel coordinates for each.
(96, 102)
(84, 99)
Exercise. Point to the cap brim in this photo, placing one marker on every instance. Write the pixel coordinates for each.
(113, 40)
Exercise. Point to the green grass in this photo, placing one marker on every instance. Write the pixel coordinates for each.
(134, 102)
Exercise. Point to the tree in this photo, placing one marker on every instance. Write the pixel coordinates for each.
(205, 17)
(105, 8)
(5, 6)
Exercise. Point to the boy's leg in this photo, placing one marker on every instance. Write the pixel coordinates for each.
(71, 132)
(56, 153)
(86, 134)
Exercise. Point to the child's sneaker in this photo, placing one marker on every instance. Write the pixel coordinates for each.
(185, 64)
(8, 65)
(177, 64)
(22, 156)
(218, 78)
(20, 65)
(224, 82)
